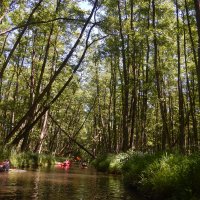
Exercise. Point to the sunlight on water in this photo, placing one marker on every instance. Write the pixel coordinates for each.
(57, 183)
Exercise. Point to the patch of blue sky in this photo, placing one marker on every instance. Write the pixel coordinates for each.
(85, 5)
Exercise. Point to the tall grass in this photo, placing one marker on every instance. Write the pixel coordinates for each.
(172, 176)
(4, 153)
(160, 176)
(30, 159)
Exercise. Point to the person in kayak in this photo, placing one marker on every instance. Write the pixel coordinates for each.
(6, 165)
(66, 163)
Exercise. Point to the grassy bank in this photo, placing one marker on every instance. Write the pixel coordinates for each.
(27, 159)
(30, 159)
(161, 176)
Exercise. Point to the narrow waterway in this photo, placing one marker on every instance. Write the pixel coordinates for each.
(58, 183)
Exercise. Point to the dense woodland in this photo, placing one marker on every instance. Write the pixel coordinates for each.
(99, 75)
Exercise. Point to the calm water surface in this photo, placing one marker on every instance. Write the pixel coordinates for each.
(57, 183)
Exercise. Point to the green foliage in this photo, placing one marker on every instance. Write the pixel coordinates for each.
(30, 159)
(103, 162)
(24, 159)
(46, 160)
(166, 176)
(159, 176)
(192, 178)
(110, 162)
(135, 165)
(116, 163)
(100, 82)
(4, 153)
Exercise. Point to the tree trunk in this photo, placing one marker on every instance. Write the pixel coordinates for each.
(180, 92)
(197, 9)
(42, 134)
(158, 86)
(126, 84)
(17, 42)
(190, 97)
(47, 89)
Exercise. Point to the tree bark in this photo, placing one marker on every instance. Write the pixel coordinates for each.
(125, 93)
(158, 86)
(180, 92)
(197, 9)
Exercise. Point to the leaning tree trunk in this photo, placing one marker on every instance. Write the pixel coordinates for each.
(5, 64)
(47, 89)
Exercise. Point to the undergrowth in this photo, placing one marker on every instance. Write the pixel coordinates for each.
(157, 176)
(29, 159)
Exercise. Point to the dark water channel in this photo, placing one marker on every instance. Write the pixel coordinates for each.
(57, 183)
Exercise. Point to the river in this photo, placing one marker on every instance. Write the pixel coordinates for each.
(58, 183)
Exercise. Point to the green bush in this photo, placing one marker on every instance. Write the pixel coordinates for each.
(159, 176)
(46, 160)
(134, 166)
(102, 163)
(117, 162)
(4, 153)
(30, 159)
(172, 176)
(162, 177)
(192, 178)
(27, 159)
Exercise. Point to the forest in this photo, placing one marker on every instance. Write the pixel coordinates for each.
(116, 82)
(99, 76)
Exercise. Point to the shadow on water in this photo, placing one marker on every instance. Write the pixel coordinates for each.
(58, 183)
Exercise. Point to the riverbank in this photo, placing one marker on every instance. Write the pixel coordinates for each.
(156, 176)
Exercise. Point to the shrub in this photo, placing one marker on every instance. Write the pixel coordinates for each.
(27, 159)
(171, 176)
(110, 163)
(133, 167)
(30, 159)
(117, 162)
(102, 163)
(160, 176)
(5, 153)
(46, 160)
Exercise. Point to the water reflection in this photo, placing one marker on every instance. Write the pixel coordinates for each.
(55, 183)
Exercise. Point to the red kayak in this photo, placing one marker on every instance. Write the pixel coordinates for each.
(65, 164)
